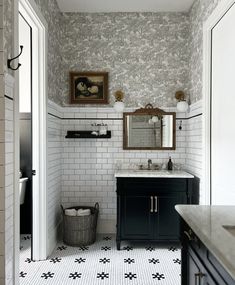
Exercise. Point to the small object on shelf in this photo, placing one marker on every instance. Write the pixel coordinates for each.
(170, 164)
(86, 135)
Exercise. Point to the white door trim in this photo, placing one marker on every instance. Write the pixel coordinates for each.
(39, 108)
(208, 26)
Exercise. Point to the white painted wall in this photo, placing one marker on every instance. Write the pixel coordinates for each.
(222, 113)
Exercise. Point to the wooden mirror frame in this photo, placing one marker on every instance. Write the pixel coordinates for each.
(148, 110)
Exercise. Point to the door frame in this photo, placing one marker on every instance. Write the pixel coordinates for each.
(208, 26)
(39, 117)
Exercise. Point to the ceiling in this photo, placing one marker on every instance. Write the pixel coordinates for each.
(105, 6)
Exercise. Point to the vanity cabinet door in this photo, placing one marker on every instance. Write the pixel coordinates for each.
(136, 217)
(197, 272)
(168, 220)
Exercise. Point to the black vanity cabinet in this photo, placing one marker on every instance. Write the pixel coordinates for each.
(199, 266)
(146, 208)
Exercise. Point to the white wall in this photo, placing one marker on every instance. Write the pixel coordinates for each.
(222, 111)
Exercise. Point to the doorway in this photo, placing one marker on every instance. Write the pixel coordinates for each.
(219, 62)
(33, 106)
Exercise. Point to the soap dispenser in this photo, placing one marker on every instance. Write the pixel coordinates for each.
(170, 164)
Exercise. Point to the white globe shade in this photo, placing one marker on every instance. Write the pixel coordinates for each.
(155, 119)
(151, 122)
(182, 106)
(119, 106)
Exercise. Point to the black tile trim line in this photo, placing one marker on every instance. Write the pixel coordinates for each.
(116, 119)
(189, 117)
(107, 119)
(8, 97)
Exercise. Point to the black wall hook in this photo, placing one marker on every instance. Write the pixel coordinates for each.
(10, 60)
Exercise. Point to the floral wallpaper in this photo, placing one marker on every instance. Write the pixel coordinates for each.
(199, 13)
(146, 54)
(53, 16)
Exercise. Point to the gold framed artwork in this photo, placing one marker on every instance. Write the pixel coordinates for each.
(88, 87)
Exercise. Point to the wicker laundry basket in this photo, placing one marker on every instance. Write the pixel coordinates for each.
(80, 230)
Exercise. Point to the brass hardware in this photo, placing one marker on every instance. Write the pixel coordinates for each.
(190, 235)
(156, 208)
(198, 276)
(151, 210)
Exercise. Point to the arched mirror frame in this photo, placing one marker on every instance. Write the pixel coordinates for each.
(148, 110)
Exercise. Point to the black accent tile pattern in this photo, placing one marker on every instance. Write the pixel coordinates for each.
(106, 248)
(158, 276)
(129, 260)
(128, 248)
(154, 261)
(84, 248)
(130, 275)
(62, 247)
(27, 237)
(104, 260)
(150, 248)
(55, 260)
(172, 248)
(177, 260)
(75, 275)
(23, 274)
(29, 260)
(107, 238)
(101, 263)
(47, 275)
(80, 260)
(102, 275)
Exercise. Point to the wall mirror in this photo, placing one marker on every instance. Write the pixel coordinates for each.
(149, 128)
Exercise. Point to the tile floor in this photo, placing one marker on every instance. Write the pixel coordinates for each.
(101, 263)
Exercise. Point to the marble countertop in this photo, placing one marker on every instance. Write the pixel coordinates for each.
(153, 174)
(207, 222)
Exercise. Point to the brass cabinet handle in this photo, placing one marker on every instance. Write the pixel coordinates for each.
(188, 235)
(156, 207)
(198, 276)
(151, 198)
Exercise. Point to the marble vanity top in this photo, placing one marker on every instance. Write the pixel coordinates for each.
(207, 223)
(153, 174)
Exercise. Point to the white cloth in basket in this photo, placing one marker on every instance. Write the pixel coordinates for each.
(70, 212)
(83, 212)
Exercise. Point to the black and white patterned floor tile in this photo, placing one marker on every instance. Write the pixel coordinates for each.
(101, 263)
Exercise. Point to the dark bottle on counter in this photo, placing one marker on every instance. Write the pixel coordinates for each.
(170, 164)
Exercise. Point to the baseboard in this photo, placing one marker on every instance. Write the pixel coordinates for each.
(106, 226)
(53, 237)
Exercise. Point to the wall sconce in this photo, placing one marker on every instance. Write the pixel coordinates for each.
(119, 105)
(182, 105)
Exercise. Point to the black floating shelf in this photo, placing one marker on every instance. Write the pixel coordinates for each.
(86, 135)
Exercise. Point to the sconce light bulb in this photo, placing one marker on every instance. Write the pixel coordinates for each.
(119, 106)
(182, 106)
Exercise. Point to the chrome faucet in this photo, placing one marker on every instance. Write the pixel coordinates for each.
(149, 164)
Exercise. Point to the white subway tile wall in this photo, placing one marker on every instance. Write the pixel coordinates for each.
(54, 152)
(88, 165)
(8, 221)
(194, 147)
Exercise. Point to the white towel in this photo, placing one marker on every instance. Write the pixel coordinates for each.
(83, 212)
(70, 212)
